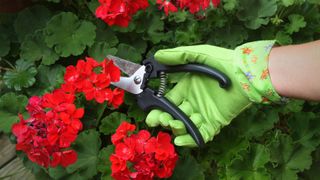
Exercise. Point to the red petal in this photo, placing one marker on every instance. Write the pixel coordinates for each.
(68, 157)
(79, 113)
(56, 158)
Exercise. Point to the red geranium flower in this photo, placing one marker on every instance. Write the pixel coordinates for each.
(150, 157)
(53, 125)
(119, 12)
(93, 79)
(167, 6)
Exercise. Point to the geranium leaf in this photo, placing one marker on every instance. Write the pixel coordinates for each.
(30, 20)
(256, 121)
(68, 35)
(128, 52)
(87, 147)
(104, 164)
(191, 36)
(57, 172)
(255, 17)
(34, 48)
(4, 42)
(22, 76)
(188, 168)
(230, 5)
(100, 50)
(233, 36)
(179, 16)
(104, 45)
(48, 79)
(93, 5)
(293, 106)
(251, 167)
(227, 147)
(283, 38)
(136, 113)
(10, 106)
(110, 123)
(305, 129)
(55, 1)
(287, 3)
(296, 23)
(288, 158)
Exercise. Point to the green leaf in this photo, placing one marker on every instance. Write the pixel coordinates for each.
(187, 168)
(256, 121)
(87, 147)
(189, 37)
(104, 164)
(313, 172)
(232, 36)
(257, 16)
(288, 158)
(48, 79)
(57, 172)
(104, 45)
(30, 20)
(230, 5)
(283, 38)
(34, 48)
(136, 113)
(252, 166)
(68, 35)
(287, 3)
(100, 50)
(10, 106)
(55, 1)
(179, 17)
(228, 147)
(128, 52)
(305, 129)
(93, 5)
(110, 123)
(22, 76)
(293, 106)
(39, 172)
(4, 42)
(296, 23)
(155, 28)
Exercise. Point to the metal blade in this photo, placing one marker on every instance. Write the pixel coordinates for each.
(133, 83)
(125, 66)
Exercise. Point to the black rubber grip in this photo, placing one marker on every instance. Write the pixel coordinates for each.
(147, 100)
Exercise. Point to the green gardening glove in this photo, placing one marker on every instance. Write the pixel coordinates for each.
(200, 97)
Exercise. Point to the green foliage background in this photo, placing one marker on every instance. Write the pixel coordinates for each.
(265, 142)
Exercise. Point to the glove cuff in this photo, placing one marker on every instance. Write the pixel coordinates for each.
(252, 61)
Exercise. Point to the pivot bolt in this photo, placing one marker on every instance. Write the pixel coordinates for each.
(137, 79)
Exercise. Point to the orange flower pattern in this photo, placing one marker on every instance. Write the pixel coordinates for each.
(255, 79)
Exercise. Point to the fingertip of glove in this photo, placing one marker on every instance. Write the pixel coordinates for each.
(184, 140)
(152, 119)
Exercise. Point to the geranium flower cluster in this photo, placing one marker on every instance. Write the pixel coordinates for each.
(54, 121)
(120, 12)
(53, 125)
(140, 156)
(93, 80)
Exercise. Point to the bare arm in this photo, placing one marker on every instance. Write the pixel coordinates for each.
(295, 70)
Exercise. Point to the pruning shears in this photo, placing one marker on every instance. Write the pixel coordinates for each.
(147, 98)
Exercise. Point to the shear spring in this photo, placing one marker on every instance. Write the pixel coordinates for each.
(163, 84)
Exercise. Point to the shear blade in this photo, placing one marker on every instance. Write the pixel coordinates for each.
(129, 68)
(135, 72)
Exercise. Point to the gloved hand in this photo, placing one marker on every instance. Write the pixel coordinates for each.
(200, 97)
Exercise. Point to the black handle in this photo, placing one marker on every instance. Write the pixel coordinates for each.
(147, 100)
(154, 68)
